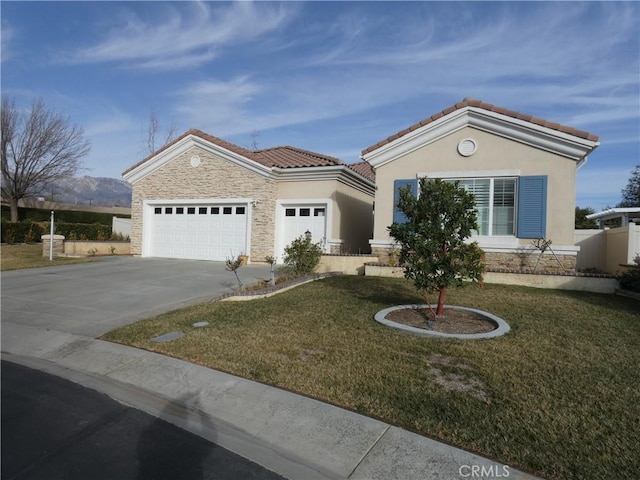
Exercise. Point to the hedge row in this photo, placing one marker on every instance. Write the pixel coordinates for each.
(28, 232)
(68, 216)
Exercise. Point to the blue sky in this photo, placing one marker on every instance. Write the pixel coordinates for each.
(332, 77)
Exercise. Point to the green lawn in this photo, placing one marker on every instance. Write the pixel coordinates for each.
(16, 257)
(559, 396)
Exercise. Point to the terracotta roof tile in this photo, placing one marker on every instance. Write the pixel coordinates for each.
(281, 157)
(364, 169)
(293, 157)
(468, 102)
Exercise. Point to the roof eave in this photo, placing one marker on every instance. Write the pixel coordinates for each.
(558, 142)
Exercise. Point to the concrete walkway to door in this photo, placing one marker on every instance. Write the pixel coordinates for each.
(93, 298)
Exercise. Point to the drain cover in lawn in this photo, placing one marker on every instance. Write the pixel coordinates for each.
(167, 337)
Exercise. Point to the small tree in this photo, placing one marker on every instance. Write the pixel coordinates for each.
(233, 264)
(433, 250)
(302, 256)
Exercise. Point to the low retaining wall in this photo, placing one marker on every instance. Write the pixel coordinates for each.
(347, 264)
(587, 283)
(558, 282)
(62, 247)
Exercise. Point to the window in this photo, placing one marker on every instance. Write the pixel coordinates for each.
(202, 210)
(227, 210)
(239, 210)
(215, 210)
(305, 212)
(495, 203)
(168, 210)
(179, 210)
(157, 210)
(290, 212)
(318, 212)
(191, 210)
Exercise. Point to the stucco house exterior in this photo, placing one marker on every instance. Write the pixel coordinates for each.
(521, 169)
(201, 197)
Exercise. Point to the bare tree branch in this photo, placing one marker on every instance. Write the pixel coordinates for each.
(38, 147)
(151, 143)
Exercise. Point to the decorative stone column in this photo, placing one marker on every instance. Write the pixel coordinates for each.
(58, 245)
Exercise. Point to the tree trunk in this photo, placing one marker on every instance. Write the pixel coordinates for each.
(13, 204)
(440, 309)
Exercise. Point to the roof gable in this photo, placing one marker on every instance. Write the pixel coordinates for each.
(560, 139)
(260, 161)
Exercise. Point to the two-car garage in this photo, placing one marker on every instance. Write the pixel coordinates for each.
(202, 231)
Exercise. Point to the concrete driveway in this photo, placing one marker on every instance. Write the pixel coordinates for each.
(93, 298)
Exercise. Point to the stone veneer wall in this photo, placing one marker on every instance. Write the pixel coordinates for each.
(516, 261)
(214, 178)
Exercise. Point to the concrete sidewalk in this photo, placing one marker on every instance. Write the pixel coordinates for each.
(295, 436)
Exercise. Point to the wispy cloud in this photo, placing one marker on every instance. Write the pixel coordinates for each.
(7, 34)
(522, 55)
(187, 37)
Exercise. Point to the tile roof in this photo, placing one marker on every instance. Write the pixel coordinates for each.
(292, 157)
(280, 157)
(469, 102)
(364, 169)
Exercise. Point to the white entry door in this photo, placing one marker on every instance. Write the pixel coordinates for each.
(199, 232)
(301, 219)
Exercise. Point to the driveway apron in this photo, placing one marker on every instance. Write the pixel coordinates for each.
(93, 298)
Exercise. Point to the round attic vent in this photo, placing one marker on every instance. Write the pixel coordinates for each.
(467, 147)
(195, 161)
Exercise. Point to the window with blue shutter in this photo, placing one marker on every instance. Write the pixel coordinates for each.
(532, 207)
(398, 216)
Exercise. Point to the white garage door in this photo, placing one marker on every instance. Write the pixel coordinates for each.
(199, 232)
(300, 219)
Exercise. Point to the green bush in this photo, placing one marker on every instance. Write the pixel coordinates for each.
(302, 256)
(22, 232)
(630, 280)
(28, 232)
(67, 216)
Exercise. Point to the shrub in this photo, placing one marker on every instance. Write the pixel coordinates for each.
(302, 256)
(630, 280)
(21, 232)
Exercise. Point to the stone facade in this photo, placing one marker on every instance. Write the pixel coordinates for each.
(214, 178)
(518, 261)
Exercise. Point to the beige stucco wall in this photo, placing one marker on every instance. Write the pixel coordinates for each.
(352, 218)
(214, 178)
(493, 153)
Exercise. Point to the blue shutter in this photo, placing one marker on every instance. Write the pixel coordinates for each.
(532, 207)
(398, 216)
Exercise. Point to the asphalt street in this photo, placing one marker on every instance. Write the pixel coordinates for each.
(55, 429)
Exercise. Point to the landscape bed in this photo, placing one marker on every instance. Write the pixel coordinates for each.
(557, 396)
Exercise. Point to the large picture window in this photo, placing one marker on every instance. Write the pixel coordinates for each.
(495, 203)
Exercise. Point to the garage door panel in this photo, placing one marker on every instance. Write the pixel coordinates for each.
(207, 232)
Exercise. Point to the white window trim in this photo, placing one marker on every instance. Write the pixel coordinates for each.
(486, 240)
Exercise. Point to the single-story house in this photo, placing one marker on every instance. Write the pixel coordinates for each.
(201, 197)
(521, 169)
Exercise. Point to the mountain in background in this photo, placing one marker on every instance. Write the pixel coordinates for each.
(88, 190)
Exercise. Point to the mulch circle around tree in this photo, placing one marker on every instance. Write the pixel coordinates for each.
(453, 320)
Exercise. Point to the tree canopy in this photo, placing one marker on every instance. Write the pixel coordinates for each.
(631, 193)
(433, 246)
(38, 147)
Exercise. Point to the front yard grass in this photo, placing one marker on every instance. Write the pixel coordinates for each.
(558, 396)
(16, 257)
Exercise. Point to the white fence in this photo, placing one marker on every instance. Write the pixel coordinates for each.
(607, 250)
(121, 226)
